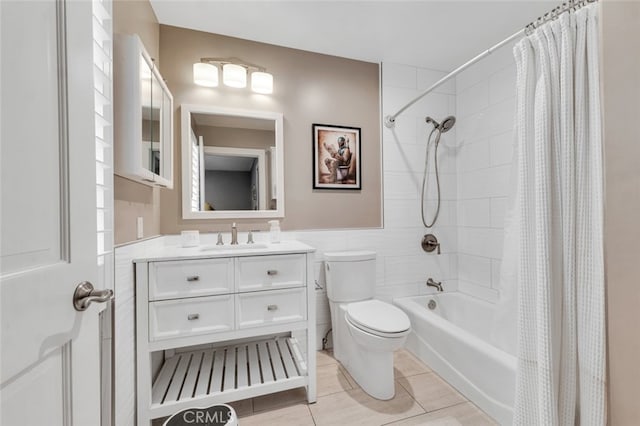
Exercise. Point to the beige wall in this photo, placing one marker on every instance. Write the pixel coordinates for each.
(308, 88)
(621, 91)
(131, 199)
(137, 17)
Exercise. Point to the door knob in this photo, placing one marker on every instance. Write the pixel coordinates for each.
(85, 294)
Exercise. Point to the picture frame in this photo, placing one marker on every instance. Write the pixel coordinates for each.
(336, 157)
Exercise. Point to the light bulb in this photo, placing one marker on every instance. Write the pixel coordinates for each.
(262, 82)
(234, 75)
(205, 74)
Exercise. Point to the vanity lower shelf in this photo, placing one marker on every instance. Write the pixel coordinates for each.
(228, 373)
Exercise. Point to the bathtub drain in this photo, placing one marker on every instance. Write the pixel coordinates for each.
(432, 304)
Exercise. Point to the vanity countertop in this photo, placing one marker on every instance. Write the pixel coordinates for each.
(176, 252)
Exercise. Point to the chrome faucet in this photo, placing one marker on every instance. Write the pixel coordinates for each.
(234, 233)
(436, 284)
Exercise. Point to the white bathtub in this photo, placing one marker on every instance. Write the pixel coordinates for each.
(453, 340)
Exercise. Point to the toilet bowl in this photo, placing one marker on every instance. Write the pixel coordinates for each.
(366, 331)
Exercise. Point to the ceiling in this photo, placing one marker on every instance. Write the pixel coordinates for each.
(439, 35)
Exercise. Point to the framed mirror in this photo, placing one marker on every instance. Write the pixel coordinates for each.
(232, 163)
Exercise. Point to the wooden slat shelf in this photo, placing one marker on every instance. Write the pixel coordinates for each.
(227, 370)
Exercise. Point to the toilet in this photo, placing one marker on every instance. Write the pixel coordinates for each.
(366, 331)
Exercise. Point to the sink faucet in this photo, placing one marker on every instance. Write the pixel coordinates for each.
(436, 284)
(234, 233)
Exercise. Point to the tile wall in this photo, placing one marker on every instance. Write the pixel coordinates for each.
(485, 110)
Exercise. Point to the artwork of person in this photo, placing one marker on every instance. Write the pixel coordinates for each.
(339, 159)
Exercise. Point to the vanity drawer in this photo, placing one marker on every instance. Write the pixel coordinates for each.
(270, 272)
(264, 308)
(190, 278)
(169, 319)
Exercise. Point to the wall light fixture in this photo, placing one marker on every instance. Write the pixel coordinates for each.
(234, 74)
(205, 74)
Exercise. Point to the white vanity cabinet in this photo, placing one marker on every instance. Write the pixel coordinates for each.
(143, 120)
(223, 327)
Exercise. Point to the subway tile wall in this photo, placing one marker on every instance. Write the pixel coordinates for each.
(485, 110)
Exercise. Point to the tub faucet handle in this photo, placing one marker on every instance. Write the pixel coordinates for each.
(436, 284)
(430, 243)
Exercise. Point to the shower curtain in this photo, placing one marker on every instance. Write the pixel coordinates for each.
(558, 213)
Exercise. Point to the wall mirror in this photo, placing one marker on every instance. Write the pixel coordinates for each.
(232, 163)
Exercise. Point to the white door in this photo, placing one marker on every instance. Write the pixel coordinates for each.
(49, 352)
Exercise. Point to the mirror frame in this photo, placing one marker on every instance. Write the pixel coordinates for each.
(185, 131)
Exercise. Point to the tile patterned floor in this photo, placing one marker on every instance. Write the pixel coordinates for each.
(422, 398)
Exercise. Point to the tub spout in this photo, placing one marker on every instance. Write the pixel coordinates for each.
(436, 284)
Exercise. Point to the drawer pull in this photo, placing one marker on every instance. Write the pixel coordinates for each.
(192, 317)
(272, 272)
(193, 278)
(272, 307)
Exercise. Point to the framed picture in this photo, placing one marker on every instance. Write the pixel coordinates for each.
(336, 157)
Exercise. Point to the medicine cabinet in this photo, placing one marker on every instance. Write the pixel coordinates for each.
(143, 116)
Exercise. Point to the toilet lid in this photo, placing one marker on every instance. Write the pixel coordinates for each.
(377, 316)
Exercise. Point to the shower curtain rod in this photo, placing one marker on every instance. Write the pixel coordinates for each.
(389, 120)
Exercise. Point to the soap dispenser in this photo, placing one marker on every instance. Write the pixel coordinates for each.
(274, 232)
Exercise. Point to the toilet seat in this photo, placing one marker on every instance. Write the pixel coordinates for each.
(378, 318)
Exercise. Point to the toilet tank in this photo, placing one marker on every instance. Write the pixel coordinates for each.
(350, 275)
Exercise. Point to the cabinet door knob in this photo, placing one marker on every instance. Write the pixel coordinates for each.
(272, 272)
(193, 278)
(193, 317)
(272, 307)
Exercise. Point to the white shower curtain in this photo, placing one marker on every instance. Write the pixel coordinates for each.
(558, 212)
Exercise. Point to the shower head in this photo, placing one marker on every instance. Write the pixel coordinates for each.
(446, 124)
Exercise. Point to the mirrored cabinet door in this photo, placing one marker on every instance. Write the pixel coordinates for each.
(145, 111)
(154, 121)
(143, 116)
(166, 133)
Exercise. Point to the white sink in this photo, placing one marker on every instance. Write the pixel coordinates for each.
(234, 247)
